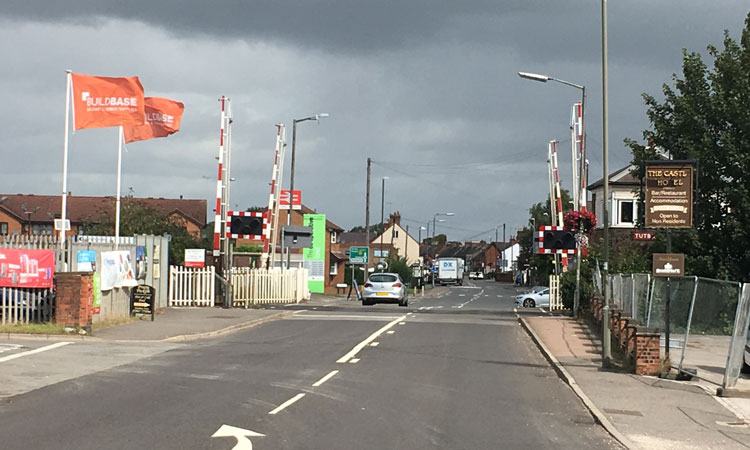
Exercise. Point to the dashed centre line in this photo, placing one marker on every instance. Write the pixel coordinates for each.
(325, 378)
(287, 403)
(371, 338)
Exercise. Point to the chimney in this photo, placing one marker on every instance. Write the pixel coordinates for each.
(395, 219)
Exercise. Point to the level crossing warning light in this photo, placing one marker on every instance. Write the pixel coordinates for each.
(554, 239)
(247, 225)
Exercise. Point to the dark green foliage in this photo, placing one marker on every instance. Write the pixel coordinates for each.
(399, 266)
(359, 275)
(248, 248)
(139, 218)
(705, 116)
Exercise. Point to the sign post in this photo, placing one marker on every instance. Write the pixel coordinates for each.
(669, 205)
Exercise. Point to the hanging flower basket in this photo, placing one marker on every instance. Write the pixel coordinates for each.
(580, 222)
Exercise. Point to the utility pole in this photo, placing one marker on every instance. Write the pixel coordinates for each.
(367, 215)
(606, 342)
(382, 222)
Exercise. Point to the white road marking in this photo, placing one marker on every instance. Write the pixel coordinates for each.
(542, 309)
(354, 361)
(439, 307)
(341, 316)
(8, 347)
(287, 403)
(371, 338)
(374, 344)
(462, 295)
(31, 352)
(422, 307)
(499, 296)
(243, 443)
(402, 323)
(325, 378)
(390, 332)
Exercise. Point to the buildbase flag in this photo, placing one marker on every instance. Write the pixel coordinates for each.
(106, 102)
(163, 118)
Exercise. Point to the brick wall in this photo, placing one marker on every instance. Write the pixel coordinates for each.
(640, 344)
(74, 300)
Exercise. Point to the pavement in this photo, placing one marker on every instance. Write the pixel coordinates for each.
(641, 412)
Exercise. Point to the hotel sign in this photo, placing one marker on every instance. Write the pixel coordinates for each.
(669, 195)
(669, 265)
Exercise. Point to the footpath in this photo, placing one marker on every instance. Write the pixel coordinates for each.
(641, 412)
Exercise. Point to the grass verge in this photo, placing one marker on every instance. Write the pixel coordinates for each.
(32, 328)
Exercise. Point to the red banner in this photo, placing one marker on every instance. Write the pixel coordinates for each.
(107, 102)
(163, 118)
(24, 268)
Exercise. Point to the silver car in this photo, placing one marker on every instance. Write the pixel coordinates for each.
(533, 298)
(385, 288)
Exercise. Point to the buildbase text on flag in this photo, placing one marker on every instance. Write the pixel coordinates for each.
(162, 118)
(107, 101)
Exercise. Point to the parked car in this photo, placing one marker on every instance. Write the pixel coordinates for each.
(385, 288)
(534, 298)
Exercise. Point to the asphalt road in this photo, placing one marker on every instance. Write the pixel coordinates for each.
(453, 372)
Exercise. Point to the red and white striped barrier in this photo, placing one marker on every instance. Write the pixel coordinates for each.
(219, 183)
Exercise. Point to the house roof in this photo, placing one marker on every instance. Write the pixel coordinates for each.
(330, 225)
(620, 177)
(353, 238)
(45, 208)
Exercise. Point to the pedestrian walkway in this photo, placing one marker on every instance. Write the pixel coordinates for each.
(643, 412)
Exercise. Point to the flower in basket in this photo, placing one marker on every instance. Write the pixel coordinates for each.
(581, 222)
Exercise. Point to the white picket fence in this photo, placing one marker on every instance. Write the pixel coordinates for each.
(261, 286)
(555, 299)
(190, 286)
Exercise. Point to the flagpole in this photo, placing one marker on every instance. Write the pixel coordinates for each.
(63, 212)
(119, 173)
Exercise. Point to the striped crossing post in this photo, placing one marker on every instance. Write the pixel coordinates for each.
(218, 218)
(273, 200)
(558, 198)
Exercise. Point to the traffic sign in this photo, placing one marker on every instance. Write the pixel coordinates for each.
(359, 255)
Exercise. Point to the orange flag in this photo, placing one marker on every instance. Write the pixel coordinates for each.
(106, 102)
(163, 118)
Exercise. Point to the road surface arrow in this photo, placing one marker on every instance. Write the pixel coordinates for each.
(243, 443)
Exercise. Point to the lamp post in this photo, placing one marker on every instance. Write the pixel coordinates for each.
(434, 220)
(578, 190)
(316, 117)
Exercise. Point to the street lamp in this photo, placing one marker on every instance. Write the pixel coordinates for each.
(435, 217)
(578, 190)
(316, 117)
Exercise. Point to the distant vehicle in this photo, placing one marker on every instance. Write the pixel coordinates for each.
(450, 271)
(385, 288)
(476, 275)
(534, 298)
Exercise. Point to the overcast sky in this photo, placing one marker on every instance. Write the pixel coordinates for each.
(428, 89)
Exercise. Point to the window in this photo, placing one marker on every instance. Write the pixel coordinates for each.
(381, 253)
(624, 212)
(395, 234)
(3, 227)
(334, 269)
(334, 237)
(42, 229)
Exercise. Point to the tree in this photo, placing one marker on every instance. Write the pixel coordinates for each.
(139, 218)
(705, 116)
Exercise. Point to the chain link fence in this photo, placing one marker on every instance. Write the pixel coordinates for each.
(708, 322)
